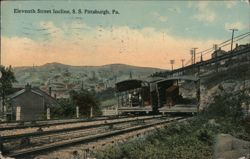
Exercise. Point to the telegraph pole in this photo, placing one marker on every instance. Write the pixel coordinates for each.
(194, 52)
(172, 64)
(192, 56)
(182, 61)
(232, 37)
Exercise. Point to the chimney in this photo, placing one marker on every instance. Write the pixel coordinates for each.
(27, 87)
(236, 45)
(50, 91)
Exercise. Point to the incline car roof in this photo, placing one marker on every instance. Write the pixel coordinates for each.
(129, 84)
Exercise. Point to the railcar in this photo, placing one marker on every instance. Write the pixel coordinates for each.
(158, 95)
(178, 95)
(133, 96)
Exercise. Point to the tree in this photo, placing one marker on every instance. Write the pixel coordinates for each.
(85, 100)
(65, 109)
(6, 82)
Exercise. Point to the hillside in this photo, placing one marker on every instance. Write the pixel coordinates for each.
(76, 76)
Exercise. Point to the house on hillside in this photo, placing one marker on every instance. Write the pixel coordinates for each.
(57, 90)
(241, 47)
(29, 104)
(218, 53)
(100, 87)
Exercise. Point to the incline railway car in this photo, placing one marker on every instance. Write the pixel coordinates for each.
(158, 95)
(133, 96)
(178, 95)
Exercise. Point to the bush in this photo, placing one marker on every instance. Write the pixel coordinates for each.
(65, 109)
(177, 141)
(206, 136)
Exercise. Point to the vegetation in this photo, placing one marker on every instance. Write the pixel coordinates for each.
(106, 97)
(188, 140)
(65, 110)
(83, 99)
(6, 82)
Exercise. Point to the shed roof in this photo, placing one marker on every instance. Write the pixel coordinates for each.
(48, 99)
(16, 94)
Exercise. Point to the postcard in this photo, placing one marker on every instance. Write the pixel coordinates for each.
(125, 79)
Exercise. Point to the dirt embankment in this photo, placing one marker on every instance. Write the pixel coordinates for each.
(229, 147)
(208, 94)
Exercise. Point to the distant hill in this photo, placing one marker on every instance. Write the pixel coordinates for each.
(76, 76)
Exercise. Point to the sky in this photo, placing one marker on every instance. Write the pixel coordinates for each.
(140, 33)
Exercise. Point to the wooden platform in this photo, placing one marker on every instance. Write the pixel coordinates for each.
(179, 109)
(135, 109)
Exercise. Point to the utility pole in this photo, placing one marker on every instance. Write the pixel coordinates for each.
(232, 37)
(172, 64)
(192, 56)
(130, 75)
(194, 52)
(182, 61)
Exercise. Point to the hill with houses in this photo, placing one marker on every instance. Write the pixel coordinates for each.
(61, 77)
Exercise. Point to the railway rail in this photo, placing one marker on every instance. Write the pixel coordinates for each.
(46, 123)
(93, 125)
(71, 137)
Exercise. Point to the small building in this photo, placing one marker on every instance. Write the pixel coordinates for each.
(218, 53)
(29, 104)
(56, 90)
(240, 47)
(100, 87)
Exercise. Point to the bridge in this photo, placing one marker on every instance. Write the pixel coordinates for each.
(215, 64)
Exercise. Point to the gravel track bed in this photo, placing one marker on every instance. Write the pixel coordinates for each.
(71, 125)
(49, 139)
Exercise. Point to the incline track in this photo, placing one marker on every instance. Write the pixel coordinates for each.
(71, 137)
(230, 55)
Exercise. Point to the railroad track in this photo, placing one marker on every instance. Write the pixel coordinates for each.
(92, 134)
(73, 129)
(46, 123)
(67, 127)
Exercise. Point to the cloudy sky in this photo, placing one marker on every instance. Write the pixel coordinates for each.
(144, 33)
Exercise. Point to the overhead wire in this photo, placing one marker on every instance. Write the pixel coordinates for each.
(223, 44)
